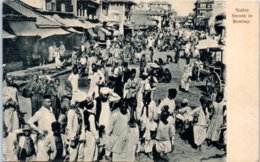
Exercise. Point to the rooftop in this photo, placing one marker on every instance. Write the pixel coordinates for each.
(121, 1)
(159, 8)
(161, 3)
(204, 1)
(145, 12)
(25, 10)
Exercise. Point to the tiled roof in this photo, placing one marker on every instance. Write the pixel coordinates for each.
(122, 1)
(161, 3)
(159, 8)
(73, 22)
(146, 12)
(41, 21)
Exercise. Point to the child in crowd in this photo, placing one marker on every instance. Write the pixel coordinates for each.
(165, 135)
(26, 148)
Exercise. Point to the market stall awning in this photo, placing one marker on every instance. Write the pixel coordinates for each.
(7, 35)
(24, 28)
(74, 31)
(47, 32)
(89, 24)
(92, 33)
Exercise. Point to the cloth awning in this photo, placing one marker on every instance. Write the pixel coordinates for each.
(28, 28)
(7, 35)
(89, 25)
(73, 23)
(92, 33)
(46, 32)
(23, 28)
(105, 31)
(74, 31)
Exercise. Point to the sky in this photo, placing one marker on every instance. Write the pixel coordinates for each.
(183, 7)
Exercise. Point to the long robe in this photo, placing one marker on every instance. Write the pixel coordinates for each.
(118, 138)
(200, 128)
(11, 120)
(91, 148)
(213, 132)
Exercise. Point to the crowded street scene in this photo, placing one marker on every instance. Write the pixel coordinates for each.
(88, 82)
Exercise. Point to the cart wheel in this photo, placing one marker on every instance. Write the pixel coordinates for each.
(213, 83)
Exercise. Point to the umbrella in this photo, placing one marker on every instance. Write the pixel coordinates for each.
(207, 43)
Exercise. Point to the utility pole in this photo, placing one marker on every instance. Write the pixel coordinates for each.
(75, 7)
(107, 7)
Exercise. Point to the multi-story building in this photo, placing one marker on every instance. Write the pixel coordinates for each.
(147, 18)
(217, 8)
(86, 8)
(118, 9)
(51, 5)
(89, 9)
(202, 13)
(157, 4)
(163, 8)
(59, 5)
(217, 20)
(141, 6)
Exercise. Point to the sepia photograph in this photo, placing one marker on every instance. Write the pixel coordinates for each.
(114, 80)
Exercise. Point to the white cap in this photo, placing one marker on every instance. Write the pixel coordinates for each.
(105, 90)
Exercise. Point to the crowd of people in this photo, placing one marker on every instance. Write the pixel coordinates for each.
(117, 117)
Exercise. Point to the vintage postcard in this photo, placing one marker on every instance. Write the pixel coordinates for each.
(130, 80)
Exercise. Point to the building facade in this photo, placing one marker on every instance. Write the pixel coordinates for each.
(89, 9)
(202, 13)
(86, 8)
(157, 4)
(119, 10)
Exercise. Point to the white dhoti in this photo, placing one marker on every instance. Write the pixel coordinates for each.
(93, 91)
(11, 120)
(91, 148)
(163, 146)
(200, 134)
(104, 119)
(185, 83)
(132, 144)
